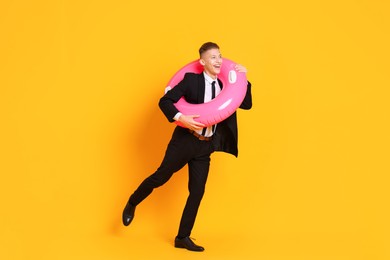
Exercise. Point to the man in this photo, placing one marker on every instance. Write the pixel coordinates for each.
(192, 144)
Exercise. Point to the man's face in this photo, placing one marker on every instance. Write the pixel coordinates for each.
(211, 61)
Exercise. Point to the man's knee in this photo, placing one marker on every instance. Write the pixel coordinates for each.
(197, 192)
(157, 180)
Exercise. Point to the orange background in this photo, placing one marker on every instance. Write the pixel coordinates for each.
(80, 128)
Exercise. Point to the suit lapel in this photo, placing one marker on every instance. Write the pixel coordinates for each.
(201, 88)
(220, 83)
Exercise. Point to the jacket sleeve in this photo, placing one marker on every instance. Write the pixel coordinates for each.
(247, 102)
(167, 102)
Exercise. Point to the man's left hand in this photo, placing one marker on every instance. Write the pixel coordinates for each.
(240, 68)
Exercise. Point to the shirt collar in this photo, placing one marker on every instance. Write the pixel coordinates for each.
(208, 78)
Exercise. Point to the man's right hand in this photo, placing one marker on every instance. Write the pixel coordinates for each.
(189, 122)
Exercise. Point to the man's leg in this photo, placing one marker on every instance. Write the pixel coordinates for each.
(176, 156)
(178, 152)
(198, 171)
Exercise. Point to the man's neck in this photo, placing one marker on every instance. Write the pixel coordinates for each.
(214, 77)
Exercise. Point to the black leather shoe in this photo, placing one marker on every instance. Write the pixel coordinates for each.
(128, 214)
(187, 244)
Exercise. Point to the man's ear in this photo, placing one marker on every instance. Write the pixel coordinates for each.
(201, 61)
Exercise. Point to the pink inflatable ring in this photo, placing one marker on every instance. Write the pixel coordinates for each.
(221, 107)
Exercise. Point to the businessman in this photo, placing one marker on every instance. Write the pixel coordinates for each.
(193, 143)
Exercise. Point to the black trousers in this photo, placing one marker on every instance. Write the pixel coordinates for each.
(184, 148)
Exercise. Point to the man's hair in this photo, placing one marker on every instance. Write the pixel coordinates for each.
(207, 46)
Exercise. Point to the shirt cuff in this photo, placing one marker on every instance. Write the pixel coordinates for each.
(176, 117)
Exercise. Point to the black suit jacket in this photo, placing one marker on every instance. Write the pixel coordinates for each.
(192, 88)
